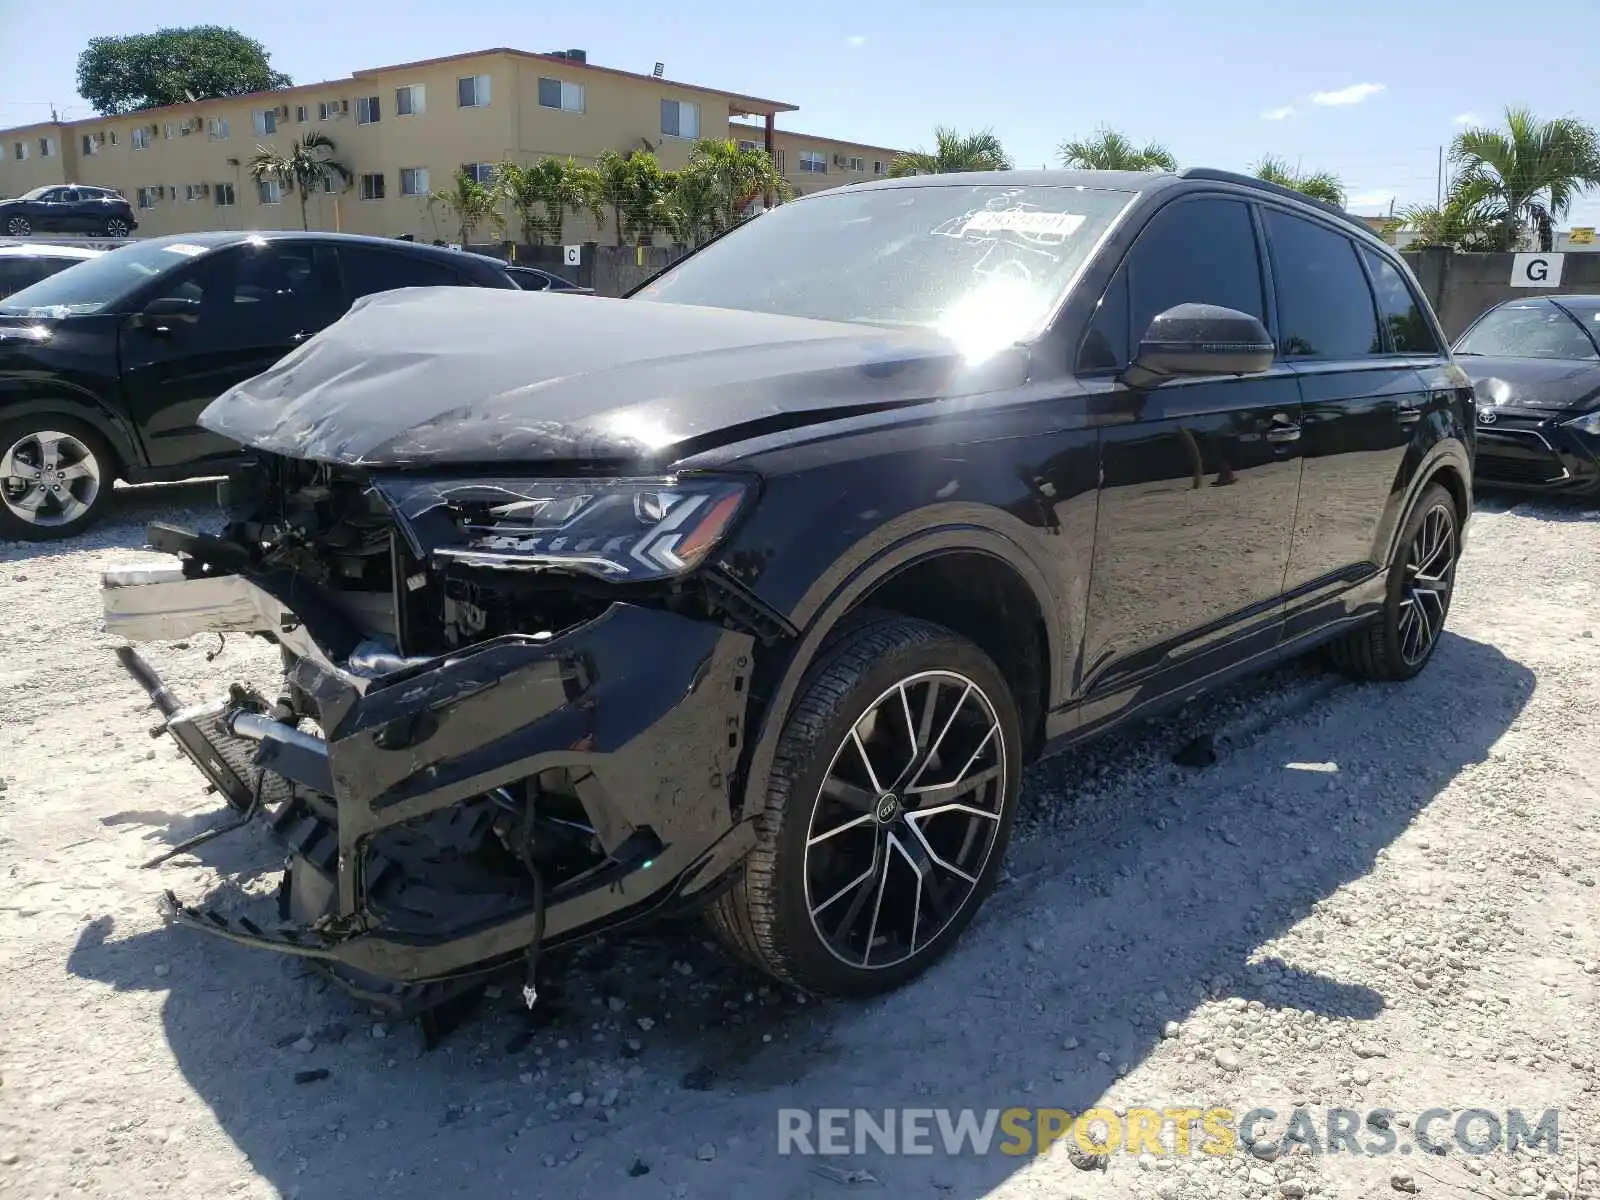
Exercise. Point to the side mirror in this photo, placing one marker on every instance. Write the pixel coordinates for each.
(1200, 339)
(161, 312)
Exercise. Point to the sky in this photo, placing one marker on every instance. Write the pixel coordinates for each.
(1368, 91)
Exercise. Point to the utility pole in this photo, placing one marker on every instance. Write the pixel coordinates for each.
(1438, 182)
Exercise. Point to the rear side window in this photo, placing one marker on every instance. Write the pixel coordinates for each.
(1191, 252)
(1399, 308)
(18, 273)
(1325, 307)
(367, 271)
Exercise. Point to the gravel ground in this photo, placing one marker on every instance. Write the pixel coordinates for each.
(1374, 898)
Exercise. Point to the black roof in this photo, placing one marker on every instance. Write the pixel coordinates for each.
(1118, 181)
(218, 238)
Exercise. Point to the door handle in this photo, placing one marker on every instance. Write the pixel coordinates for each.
(1282, 433)
(1408, 416)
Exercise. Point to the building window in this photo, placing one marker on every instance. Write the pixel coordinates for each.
(111, 137)
(747, 144)
(224, 194)
(331, 109)
(270, 191)
(372, 187)
(266, 122)
(196, 191)
(327, 185)
(90, 144)
(413, 181)
(409, 101)
(813, 162)
(367, 110)
(217, 128)
(855, 164)
(472, 91)
(777, 162)
(141, 138)
(47, 147)
(554, 93)
(147, 196)
(680, 119)
(20, 151)
(300, 114)
(877, 166)
(481, 172)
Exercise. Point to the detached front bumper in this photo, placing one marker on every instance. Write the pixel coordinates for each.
(642, 708)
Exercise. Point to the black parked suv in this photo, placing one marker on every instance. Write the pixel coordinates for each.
(758, 590)
(105, 367)
(68, 208)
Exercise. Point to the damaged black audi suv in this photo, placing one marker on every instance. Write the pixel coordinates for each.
(756, 591)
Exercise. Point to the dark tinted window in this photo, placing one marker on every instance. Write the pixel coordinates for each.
(1528, 329)
(1399, 308)
(1324, 304)
(18, 273)
(1192, 252)
(367, 271)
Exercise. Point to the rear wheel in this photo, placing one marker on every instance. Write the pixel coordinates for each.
(1400, 641)
(55, 478)
(19, 226)
(887, 813)
(116, 227)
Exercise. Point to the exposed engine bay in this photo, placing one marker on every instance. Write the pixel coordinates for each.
(513, 711)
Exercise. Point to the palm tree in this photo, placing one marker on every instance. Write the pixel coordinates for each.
(1469, 219)
(1109, 150)
(953, 151)
(644, 208)
(308, 166)
(1533, 169)
(544, 193)
(616, 182)
(691, 206)
(471, 204)
(739, 177)
(1319, 185)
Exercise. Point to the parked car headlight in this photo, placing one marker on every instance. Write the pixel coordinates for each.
(1588, 423)
(628, 530)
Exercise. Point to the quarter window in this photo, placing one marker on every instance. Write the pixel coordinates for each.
(367, 271)
(1325, 307)
(1398, 308)
(1191, 252)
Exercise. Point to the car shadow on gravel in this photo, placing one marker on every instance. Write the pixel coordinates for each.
(657, 1066)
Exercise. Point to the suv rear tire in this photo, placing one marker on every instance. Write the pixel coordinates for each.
(887, 814)
(116, 227)
(1400, 641)
(56, 476)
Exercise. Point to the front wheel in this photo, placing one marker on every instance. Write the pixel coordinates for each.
(19, 226)
(1400, 641)
(887, 812)
(55, 478)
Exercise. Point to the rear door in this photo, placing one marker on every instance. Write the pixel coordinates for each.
(1363, 392)
(252, 304)
(368, 270)
(1199, 476)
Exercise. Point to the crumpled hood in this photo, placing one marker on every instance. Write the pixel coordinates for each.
(1542, 384)
(429, 376)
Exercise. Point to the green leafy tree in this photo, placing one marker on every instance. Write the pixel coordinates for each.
(308, 166)
(1469, 219)
(953, 151)
(149, 70)
(1319, 185)
(542, 195)
(469, 203)
(616, 182)
(738, 177)
(690, 207)
(649, 190)
(1108, 150)
(1531, 171)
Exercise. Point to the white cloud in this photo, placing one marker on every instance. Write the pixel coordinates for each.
(1278, 114)
(1374, 199)
(1467, 118)
(856, 40)
(1354, 94)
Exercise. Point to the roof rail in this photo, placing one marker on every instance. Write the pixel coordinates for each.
(1277, 189)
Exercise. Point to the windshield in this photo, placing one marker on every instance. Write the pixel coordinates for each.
(35, 193)
(984, 260)
(99, 283)
(1532, 330)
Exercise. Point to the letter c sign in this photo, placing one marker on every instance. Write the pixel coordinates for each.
(1536, 270)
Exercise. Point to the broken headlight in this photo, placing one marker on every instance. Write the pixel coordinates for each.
(628, 530)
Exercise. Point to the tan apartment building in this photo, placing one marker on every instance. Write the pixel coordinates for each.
(404, 131)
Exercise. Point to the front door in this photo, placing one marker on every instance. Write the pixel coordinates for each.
(248, 306)
(1357, 337)
(1199, 477)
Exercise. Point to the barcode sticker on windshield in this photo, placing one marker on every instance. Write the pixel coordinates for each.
(1020, 221)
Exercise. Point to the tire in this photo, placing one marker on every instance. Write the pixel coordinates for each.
(940, 864)
(1388, 648)
(75, 499)
(115, 227)
(19, 226)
